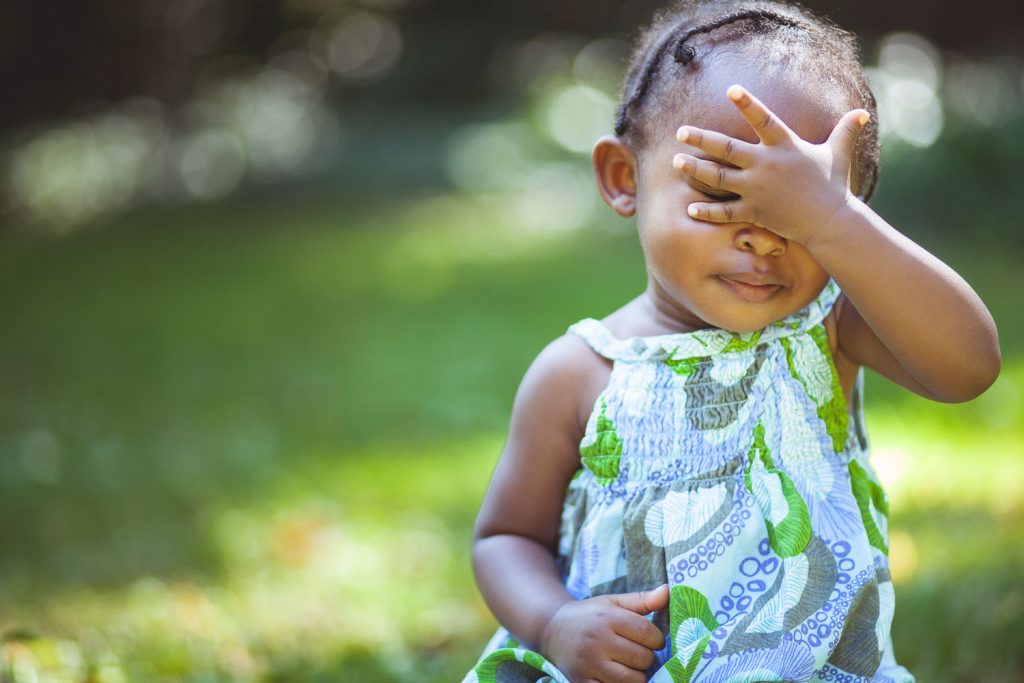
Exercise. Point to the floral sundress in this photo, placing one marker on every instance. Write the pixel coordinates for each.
(731, 467)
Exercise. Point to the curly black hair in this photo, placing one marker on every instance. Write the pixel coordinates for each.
(670, 49)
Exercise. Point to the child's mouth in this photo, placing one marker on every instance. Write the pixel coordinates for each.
(750, 292)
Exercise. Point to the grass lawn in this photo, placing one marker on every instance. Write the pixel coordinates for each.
(247, 443)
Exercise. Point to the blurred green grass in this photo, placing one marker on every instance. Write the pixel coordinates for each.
(248, 441)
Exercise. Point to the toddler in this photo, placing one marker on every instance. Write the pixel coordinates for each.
(685, 494)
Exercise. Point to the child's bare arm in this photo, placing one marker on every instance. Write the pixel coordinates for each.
(516, 534)
(912, 319)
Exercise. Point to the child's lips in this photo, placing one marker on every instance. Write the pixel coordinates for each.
(753, 288)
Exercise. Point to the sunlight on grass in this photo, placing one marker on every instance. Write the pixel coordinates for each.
(957, 456)
(369, 553)
(260, 459)
(350, 558)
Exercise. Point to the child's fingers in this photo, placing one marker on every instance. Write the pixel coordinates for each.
(843, 137)
(737, 152)
(639, 630)
(632, 654)
(767, 125)
(710, 173)
(641, 602)
(614, 671)
(721, 212)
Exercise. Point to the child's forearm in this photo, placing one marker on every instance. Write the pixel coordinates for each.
(930, 320)
(520, 582)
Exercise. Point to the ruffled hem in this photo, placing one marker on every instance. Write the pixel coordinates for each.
(508, 662)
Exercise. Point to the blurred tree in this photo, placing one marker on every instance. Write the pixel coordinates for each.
(56, 57)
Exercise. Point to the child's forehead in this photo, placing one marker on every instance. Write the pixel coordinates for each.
(810, 104)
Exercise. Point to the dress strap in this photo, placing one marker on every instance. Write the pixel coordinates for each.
(603, 342)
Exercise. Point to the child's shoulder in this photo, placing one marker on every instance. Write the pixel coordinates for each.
(574, 368)
(567, 375)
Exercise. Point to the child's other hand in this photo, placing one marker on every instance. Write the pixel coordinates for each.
(785, 184)
(606, 638)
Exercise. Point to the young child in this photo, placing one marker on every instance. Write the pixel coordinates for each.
(700, 453)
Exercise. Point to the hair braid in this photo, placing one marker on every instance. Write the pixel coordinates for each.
(684, 54)
(647, 76)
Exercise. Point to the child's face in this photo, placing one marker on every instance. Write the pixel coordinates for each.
(706, 274)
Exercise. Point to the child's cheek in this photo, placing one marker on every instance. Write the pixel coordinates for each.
(671, 246)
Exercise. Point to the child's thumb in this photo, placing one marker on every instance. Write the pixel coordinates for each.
(844, 136)
(643, 602)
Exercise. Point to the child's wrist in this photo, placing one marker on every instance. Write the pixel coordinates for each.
(547, 631)
(820, 236)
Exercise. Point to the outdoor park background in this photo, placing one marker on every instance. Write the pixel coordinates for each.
(270, 274)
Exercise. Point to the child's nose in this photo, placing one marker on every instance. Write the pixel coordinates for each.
(760, 241)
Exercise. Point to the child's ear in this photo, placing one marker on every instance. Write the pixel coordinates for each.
(615, 170)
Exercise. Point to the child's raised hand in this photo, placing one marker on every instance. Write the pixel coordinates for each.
(606, 638)
(785, 184)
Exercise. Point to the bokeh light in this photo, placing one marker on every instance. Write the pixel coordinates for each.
(358, 46)
(985, 94)
(212, 162)
(554, 197)
(575, 116)
(67, 175)
(492, 156)
(906, 83)
(530, 64)
(601, 64)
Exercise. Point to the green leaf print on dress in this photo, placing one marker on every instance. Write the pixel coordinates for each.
(738, 343)
(869, 495)
(786, 515)
(691, 624)
(826, 392)
(684, 367)
(602, 455)
(512, 665)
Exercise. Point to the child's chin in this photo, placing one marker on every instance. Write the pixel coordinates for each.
(749, 324)
(743, 330)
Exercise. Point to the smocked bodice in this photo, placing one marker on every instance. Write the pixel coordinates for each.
(680, 406)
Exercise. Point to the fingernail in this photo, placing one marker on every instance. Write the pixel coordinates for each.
(863, 118)
(734, 92)
(679, 161)
(692, 210)
(682, 135)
